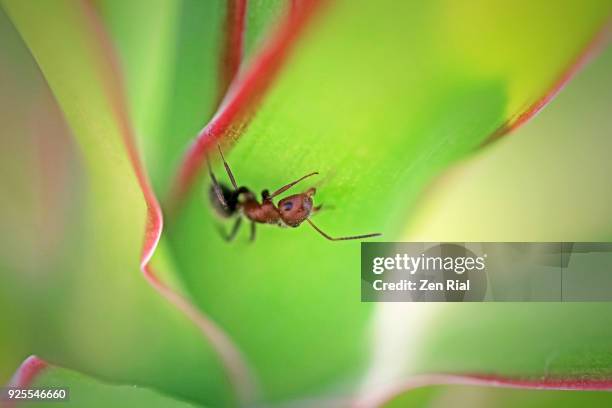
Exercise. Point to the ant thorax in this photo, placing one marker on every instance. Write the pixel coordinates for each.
(264, 213)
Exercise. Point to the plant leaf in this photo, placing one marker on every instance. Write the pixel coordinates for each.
(84, 391)
(379, 98)
(108, 300)
(542, 197)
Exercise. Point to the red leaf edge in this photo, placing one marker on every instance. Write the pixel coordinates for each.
(243, 95)
(588, 53)
(386, 394)
(24, 377)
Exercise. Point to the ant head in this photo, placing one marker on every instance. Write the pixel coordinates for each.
(296, 208)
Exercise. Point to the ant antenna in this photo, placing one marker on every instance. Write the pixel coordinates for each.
(215, 184)
(228, 170)
(288, 186)
(320, 231)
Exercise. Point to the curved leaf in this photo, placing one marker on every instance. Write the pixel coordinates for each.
(557, 192)
(114, 303)
(379, 98)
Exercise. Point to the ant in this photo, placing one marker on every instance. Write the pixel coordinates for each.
(290, 212)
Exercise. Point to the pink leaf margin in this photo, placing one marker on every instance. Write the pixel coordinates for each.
(588, 53)
(387, 394)
(25, 376)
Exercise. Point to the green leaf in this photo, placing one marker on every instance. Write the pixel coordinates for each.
(378, 97)
(84, 391)
(556, 192)
(99, 315)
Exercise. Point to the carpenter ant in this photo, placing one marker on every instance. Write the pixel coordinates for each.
(290, 212)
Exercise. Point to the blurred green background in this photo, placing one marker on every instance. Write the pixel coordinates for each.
(390, 101)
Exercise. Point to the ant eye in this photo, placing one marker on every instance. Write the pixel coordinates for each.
(287, 206)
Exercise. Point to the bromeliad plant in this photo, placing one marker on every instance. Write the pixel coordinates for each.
(380, 97)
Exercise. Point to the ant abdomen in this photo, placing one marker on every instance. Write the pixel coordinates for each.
(227, 209)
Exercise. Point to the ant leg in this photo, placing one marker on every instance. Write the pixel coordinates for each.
(293, 183)
(216, 186)
(252, 237)
(232, 233)
(320, 231)
(235, 229)
(228, 170)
